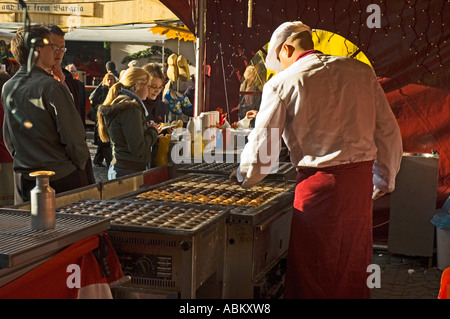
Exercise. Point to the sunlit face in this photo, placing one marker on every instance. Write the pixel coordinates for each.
(155, 87)
(141, 90)
(110, 81)
(73, 71)
(59, 44)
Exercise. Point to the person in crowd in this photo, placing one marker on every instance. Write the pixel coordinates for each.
(157, 110)
(111, 68)
(56, 141)
(254, 79)
(343, 140)
(122, 121)
(104, 151)
(81, 90)
(6, 161)
(58, 44)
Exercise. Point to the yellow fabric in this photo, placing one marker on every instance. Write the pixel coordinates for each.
(334, 44)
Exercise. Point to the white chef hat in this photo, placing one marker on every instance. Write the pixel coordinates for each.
(279, 36)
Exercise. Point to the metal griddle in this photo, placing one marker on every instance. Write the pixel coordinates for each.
(194, 189)
(285, 171)
(19, 244)
(148, 216)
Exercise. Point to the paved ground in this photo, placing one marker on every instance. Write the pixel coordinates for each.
(405, 277)
(100, 173)
(402, 277)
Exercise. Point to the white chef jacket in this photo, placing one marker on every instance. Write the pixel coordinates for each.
(330, 111)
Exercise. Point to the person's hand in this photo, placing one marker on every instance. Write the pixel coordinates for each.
(170, 130)
(233, 177)
(153, 124)
(58, 73)
(377, 193)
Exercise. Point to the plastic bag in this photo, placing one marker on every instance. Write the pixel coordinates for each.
(441, 219)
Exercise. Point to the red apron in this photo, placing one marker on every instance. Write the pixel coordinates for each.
(331, 233)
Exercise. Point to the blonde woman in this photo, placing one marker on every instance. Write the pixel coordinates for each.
(121, 120)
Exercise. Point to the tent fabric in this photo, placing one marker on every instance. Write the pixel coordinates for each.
(423, 114)
(407, 43)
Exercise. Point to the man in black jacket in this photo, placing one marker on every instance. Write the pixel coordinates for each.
(64, 76)
(55, 139)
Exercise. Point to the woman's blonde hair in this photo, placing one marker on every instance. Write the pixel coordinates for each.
(128, 81)
(255, 76)
(107, 76)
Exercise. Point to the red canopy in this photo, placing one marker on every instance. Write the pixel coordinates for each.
(409, 51)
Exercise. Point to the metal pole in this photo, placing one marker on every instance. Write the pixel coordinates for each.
(199, 90)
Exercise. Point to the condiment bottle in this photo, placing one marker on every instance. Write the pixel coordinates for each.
(198, 145)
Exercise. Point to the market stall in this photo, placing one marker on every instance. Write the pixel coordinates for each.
(405, 42)
(182, 230)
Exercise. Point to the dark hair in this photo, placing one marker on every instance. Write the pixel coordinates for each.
(54, 29)
(110, 65)
(19, 48)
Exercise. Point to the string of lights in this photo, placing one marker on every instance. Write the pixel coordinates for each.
(411, 33)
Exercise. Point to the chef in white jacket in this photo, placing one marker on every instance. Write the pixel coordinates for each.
(344, 142)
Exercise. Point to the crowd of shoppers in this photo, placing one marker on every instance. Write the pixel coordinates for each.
(126, 114)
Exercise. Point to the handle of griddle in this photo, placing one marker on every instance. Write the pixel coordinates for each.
(271, 220)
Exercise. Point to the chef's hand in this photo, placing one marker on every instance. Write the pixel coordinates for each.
(377, 193)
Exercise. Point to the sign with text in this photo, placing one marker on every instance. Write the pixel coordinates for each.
(82, 9)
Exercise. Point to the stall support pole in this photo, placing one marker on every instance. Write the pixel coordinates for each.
(199, 89)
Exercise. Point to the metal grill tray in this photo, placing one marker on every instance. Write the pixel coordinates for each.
(270, 196)
(20, 244)
(285, 171)
(149, 216)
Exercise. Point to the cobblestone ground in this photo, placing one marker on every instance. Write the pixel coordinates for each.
(405, 277)
(100, 173)
(402, 277)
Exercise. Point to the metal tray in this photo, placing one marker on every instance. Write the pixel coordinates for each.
(285, 170)
(19, 244)
(150, 216)
(271, 203)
